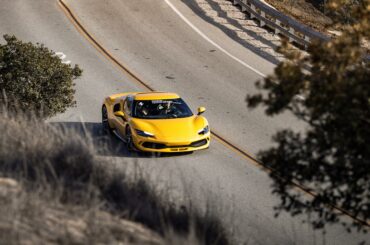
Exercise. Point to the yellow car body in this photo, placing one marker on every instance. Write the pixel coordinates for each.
(155, 122)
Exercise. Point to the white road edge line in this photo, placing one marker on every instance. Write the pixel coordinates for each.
(210, 40)
(62, 56)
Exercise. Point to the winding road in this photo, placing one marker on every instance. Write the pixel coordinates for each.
(170, 47)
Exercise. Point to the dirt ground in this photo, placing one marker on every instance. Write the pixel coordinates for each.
(304, 12)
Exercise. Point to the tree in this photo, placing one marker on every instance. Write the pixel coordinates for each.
(332, 157)
(33, 78)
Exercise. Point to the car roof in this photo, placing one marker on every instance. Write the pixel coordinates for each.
(155, 96)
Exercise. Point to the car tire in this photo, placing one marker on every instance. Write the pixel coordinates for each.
(129, 142)
(106, 128)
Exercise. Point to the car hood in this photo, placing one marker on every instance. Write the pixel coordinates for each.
(175, 130)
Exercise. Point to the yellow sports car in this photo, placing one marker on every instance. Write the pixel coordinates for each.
(155, 122)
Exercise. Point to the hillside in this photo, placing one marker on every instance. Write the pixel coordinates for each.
(54, 188)
(36, 218)
(303, 11)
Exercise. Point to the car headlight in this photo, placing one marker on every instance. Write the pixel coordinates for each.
(204, 130)
(144, 133)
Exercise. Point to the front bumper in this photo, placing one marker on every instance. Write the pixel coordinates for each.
(153, 145)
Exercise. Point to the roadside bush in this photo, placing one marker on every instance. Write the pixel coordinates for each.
(33, 77)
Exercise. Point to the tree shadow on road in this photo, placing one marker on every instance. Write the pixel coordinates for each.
(106, 144)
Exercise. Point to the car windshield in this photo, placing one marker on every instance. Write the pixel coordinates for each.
(161, 109)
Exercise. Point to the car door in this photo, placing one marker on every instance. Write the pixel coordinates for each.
(121, 123)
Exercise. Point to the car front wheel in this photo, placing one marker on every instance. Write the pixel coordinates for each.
(105, 124)
(129, 142)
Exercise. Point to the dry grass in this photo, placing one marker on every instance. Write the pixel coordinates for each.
(304, 12)
(38, 217)
(65, 188)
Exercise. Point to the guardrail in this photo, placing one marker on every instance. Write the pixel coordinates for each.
(280, 23)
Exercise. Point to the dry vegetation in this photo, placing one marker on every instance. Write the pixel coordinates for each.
(304, 12)
(38, 217)
(53, 189)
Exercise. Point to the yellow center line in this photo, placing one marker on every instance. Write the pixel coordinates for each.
(81, 29)
(251, 159)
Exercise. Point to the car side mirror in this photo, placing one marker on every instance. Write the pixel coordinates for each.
(120, 114)
(201, 110)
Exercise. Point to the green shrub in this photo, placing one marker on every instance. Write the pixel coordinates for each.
(32, 77)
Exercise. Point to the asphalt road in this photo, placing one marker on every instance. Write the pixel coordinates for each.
(150, 38)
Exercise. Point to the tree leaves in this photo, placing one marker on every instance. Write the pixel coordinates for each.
(333, 156)
(33, 78)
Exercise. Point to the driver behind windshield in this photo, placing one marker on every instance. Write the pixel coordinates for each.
(167, 108)
(161, 109)
(141, 110)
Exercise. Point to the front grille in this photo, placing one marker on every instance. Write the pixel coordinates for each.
(153, 145)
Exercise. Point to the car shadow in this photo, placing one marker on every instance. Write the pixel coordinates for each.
(105, 143)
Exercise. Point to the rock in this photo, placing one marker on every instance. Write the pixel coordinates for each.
(9, 187)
